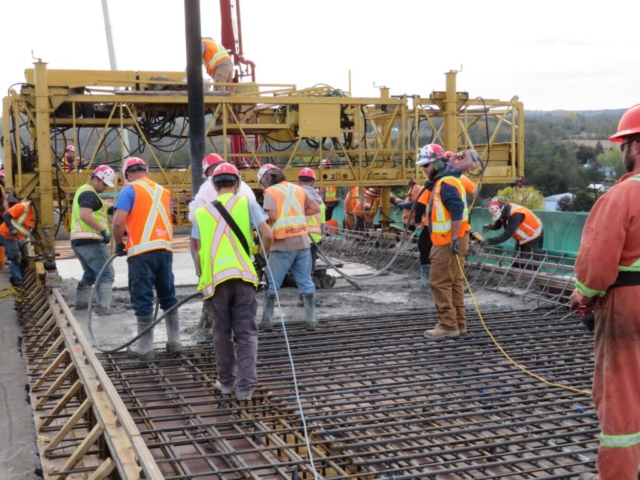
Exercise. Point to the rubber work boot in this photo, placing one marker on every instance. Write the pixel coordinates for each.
(300, 300)
(225, 390)
(244, 396)
(310, 310)
(267, 313)
(105, 290)
(462, 330)
(143, 348)
(83, 293)
(425, 271)
(440, 333)
(588, 476)
(172, 322)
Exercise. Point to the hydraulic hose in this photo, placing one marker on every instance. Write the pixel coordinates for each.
(95, 345)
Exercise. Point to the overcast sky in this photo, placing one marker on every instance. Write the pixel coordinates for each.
(557, 54)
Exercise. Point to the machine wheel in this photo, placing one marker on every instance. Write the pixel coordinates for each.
(328, 281)
(316, 281)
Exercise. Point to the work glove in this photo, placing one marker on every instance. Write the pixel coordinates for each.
(486, 228)
(13, 232)
(120, 251)
(106, 236)
(455, 246)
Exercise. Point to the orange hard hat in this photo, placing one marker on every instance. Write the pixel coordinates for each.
(307, 172)
(629, 124)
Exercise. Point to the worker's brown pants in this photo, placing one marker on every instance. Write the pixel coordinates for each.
(222, 74)
(446, 282)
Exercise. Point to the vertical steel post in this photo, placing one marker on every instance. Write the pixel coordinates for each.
(195, 91)
(451, 113)
(385, 192)
(45, 169)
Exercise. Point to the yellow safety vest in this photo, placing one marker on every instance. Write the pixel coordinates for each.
(330, 194)
(79, 229)
(315, 222)
(221, 254)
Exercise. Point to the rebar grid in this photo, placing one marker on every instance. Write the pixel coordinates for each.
(380, 402)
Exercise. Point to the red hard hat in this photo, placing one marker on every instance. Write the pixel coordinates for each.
(325, 163)
(70, 148)
(210, 160)
(105, 173)
(134, 163)
(226, 169)
(448, 154)
(307, 172)
(429, 153)
(629, 124)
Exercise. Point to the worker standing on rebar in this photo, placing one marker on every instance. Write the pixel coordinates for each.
(222, 245)
(315, 223)
(329, 194)
(607, 273)
(218, 63)
(407, 204)
(519, 223)
(449, 227)
(424, 239)
(144, 209)
(89, 239)
(17, 223)
(288, 207)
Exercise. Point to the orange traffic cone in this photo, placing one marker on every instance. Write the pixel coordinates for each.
(331, 226)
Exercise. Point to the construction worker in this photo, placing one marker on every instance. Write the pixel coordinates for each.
(407, 204)
(222, 247)
(3, 196)
(69, 159)
(89, 239)
(315, 223)
(329, 194)
(18, 222)
(361, 213)
(207, 193)
(144, 209)
(288, 207)
(449, 227)
(518, 222)
(424, 240)
(607, 272)
(218, 63)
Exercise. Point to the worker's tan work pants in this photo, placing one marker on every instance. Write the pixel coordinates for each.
(222, 74)
(446, 282)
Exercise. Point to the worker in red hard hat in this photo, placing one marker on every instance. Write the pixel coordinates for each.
(288, 207)
(143, 208)
(90, 236)
(218, 63)
(207, 194)
(607, 277)
(315, 223)
(69, 159)
(228, 279)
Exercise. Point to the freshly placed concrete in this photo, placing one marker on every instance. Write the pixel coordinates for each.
(19, 458)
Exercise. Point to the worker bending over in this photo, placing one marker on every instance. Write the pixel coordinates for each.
(89, 239)
(607, 273)
(217, 61)
(222, 245)
(449, 226)
(518, 222)
(144, 209)
(288, 207)
(17, 224)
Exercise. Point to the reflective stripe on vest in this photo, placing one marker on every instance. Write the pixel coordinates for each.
(635, 266)
(314, 223)
(79, 229)
(19, 222)
(330, 194)
(291, 221)
(619, 441)
(440, 218)
(531, 226)
(221, 254)
(158, 209)
(214, 54)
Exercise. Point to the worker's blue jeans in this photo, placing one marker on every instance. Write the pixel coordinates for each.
(92, 258)
(12, 252)
(299, 262)
(147, 271)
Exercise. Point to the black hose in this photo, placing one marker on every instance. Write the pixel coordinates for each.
(94, 344)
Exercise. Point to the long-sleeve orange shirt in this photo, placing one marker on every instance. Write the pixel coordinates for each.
(611, 238)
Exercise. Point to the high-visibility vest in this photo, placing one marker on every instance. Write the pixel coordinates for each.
(214, 54)
(635, 266)
(412, 196)
(315, 222)
(424, 199)
(530, 228)
(290, 200)
(149, 224)
(441, 218)
(330, 194)
(22, 222)
(352, 197)
(79, 229)
(222, 256)
(468, 184)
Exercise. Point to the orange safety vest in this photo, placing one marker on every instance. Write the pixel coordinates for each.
(22, 219)
(352, 199)
(530, 228)
(412, 196)
(468, 184)
(424, 200)
(290, 200)
(214, 55)
(149, 224)
(440, 216)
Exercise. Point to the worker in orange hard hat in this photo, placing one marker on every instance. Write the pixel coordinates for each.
(143, 208)
(218, 63)
(607, 277)
(288, 207)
